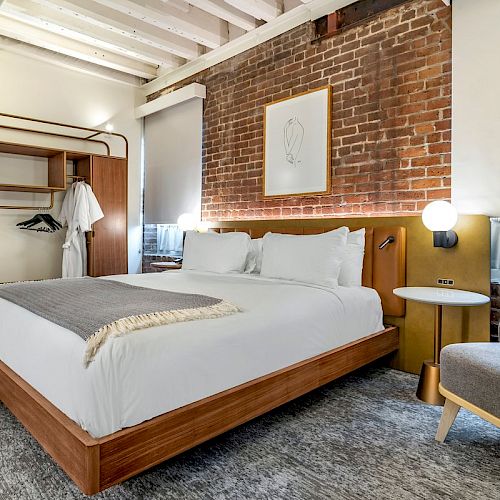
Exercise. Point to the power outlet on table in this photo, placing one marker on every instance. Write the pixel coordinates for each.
(445, 281)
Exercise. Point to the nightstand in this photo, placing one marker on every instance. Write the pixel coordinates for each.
(165, 266)
(428, 390)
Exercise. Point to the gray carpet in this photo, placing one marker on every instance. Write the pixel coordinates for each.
(362, 437)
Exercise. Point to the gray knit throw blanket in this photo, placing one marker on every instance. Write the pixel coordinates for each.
(97, 309)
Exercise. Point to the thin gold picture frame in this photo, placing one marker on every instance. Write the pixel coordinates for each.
(328, 167)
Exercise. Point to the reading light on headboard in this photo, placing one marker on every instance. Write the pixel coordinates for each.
(440, 217)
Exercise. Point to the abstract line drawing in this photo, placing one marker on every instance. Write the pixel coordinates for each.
(293, 137)
(297, 152)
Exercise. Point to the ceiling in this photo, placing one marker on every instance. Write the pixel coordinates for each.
(139, 38)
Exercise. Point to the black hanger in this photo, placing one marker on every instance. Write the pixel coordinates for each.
(41, 223)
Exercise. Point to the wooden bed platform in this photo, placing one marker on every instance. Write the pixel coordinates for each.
(96, 464)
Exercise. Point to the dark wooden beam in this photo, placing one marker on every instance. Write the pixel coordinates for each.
(352, 15)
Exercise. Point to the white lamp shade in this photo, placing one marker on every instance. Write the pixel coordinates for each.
(187, 222)
(203, 226)
(439, 216)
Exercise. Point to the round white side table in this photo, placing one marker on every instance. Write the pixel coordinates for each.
(428, 390)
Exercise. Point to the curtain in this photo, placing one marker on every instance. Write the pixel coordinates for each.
(169, 239)
(495, 243)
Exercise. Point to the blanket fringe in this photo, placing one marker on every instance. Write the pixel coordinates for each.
(132, 323)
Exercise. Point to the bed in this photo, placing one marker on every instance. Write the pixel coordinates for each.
(151, 395)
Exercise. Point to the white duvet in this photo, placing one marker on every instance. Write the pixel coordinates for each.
(149, 372)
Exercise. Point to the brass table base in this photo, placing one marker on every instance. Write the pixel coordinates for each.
(428, 385)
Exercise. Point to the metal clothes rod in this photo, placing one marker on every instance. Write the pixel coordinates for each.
(65, 125)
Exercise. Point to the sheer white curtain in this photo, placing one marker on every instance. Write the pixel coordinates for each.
(169, 238)
(495, 243)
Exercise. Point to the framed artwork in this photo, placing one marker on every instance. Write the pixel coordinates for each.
(297, 145)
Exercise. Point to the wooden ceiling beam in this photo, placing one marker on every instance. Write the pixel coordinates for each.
(220, 8)
(266, 10)
(77, 29)
(196, 25)
(122, 25)
(32, 35)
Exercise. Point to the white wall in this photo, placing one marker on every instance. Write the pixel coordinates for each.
(172, 150)
(41, 90)
(476, 107)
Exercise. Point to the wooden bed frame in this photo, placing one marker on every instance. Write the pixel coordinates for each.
(96, 464)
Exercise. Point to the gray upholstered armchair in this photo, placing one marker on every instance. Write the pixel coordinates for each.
(470, 378)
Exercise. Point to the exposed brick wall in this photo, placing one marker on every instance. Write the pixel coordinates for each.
(391, 149)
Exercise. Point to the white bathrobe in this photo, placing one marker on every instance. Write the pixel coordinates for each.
(79, 211)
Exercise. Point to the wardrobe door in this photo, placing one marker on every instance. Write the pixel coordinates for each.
(108, 242)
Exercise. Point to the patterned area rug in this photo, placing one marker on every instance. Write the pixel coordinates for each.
(364, 436)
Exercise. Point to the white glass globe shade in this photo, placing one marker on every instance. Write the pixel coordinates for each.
(439, 216)
(187, 222)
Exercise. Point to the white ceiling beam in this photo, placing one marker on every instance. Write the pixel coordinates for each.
(197, 25)
(192, 91)
(64, 61)
(57, 43)
(178, 4)
(76, 29)
(260, 9)
(227, 12)
(291, 19)
(122, 25)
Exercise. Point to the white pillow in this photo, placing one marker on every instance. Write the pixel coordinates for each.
(351, 270)
(218, 253)
(254, 259)
(310, 259)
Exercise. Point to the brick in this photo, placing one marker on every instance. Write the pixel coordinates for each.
(391, 117)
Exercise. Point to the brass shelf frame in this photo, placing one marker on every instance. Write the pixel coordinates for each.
(70, 135)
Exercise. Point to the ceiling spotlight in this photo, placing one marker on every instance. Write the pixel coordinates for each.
(109, 127)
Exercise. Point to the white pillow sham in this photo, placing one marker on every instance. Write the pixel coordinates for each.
(312, 259)
(216, 252)
(254, 259)
(351, 270)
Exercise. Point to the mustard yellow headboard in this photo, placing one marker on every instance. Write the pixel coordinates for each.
(383, 269)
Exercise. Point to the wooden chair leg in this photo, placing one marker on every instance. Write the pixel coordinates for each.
(450, 411)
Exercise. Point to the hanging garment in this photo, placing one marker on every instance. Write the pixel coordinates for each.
(79, 211)
(169, 239)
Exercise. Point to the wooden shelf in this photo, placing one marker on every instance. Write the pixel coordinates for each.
(56, 167)
(21, 149)
(30, 189)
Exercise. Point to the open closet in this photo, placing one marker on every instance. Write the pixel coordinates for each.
(105, 173)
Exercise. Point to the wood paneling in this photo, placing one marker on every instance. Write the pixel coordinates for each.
(57, 170)
(108, 252)
(468, 263)
(96, 464)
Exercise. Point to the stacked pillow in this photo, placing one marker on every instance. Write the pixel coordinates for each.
(313, 259)
(328, 259)
(216, 252)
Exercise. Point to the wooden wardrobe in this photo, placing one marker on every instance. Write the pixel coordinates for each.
(107, 242)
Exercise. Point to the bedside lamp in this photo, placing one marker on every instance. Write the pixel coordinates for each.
(440, 217)
(187, 222)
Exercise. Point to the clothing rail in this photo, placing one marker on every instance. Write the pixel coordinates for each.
(71, 134)
(65, 125)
